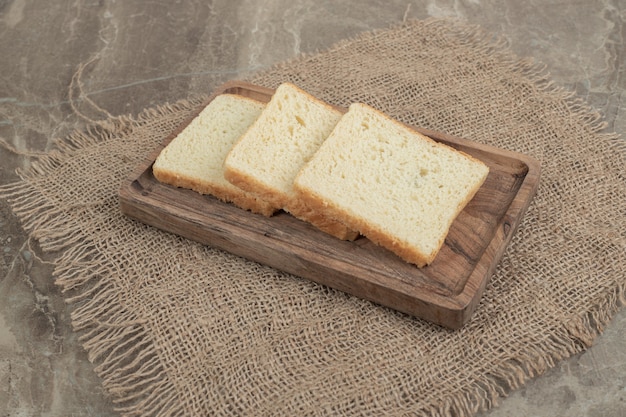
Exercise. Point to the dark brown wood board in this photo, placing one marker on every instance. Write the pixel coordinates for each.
(445, 292)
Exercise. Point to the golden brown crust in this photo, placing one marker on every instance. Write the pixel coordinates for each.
(323, 222)
(407, 252)
(298, 210)
(377, 236)
(241, 199)
(255, 187)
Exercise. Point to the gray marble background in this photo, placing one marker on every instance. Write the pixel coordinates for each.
(136, 54)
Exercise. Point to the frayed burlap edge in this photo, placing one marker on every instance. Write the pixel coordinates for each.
(572, 337)
(113, 337)
(121, 347)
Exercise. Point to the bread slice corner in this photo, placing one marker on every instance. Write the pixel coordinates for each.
(194, 159)
(400, 189)
(270, 154)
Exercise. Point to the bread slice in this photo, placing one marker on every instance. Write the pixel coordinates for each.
(194, 159)
(270, 154)
(399, 188)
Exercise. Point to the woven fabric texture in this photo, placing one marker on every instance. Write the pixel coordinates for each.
(177, 328)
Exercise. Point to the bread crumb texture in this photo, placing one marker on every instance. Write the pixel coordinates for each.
(286, 135)
(194, 159)
(397, 187)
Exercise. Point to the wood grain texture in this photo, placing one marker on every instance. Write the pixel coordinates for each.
(445, 292)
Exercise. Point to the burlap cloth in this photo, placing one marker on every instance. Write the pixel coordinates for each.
(177, 328)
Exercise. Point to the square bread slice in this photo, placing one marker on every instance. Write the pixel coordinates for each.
(400, 189)
(194, 159)
(270, 154)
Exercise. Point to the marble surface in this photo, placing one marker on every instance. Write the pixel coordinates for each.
(136, 54)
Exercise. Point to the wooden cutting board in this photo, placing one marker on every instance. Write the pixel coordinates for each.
(445, 292)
